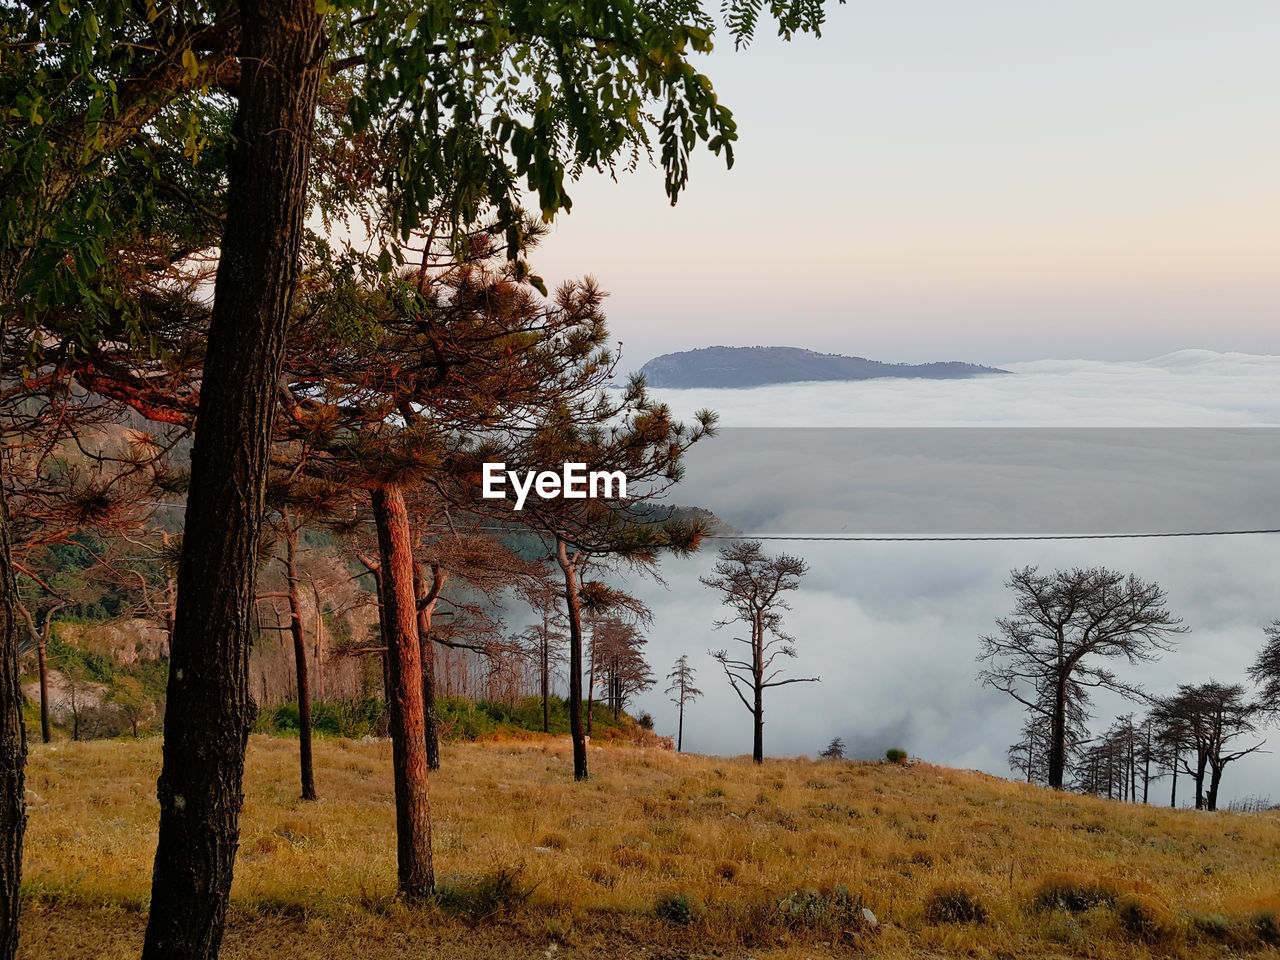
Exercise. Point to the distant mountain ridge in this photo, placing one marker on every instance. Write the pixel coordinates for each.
(759, 366)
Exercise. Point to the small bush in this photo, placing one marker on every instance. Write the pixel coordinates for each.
(1069, 891)
(954, 903)
(678, 908)
(631, 859)
(556, 841)
(895, 755)
(813, 911)
(493, 892)
(1265, 926)
(603, 874)
(725, 869)
(1144, 918)
(645, 720)
(1213, 926)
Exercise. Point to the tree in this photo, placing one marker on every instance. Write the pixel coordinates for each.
(1045, 653)
(1209, 717)
(754, 586)
(834, 750)
(1266, 669)
(682, 677)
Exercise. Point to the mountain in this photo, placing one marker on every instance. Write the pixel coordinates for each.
(757, 366)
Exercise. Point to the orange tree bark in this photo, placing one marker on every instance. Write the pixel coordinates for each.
(209, 707)
(408, 728)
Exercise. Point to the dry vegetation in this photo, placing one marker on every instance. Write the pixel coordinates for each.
(657, 855)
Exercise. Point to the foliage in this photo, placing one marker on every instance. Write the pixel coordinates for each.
(954, 903)
(895, 755)
(678, 908)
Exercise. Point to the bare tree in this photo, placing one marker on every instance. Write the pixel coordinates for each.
(754, 586)
(1045, 654)
(1208, 717)
(682, 677)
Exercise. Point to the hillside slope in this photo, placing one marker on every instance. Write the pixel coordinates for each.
(774, 861)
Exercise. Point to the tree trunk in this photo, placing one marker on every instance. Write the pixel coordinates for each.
(300, 667)
(13, 748)
(426, 602)
(569, 569)
(408, 727)
(1058, 735)
(546, 675)
(42, 660)
(680, 726)
(1215, 778)
(209, 707)
(315, 593)
(757, 716)
(1173, 791)
(591, 683)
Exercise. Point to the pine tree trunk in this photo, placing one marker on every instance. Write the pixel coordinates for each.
(408, 726)
(546, 676)
(757, 716)
(591, 683)
(300, 668)
(1215, 778)
(13, 749)
(426, 645)
(569, 570)
(42, 660)
(209, 708)
(680, 727)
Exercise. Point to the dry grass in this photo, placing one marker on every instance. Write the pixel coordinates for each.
(777, 860)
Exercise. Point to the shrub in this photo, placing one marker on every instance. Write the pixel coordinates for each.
(895, 755)
(493, 892)
(1265, 925)
(954, 903)
(678, 908)
(725, 869)
(1144, 918)
(556, 841)
(813, 911)
(645, 720)
(1069, 891)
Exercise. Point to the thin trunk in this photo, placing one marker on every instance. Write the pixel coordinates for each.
(1173, 791)
(42, 659)
(13, 747)
(546, 674)
(408, 728)
(591, 682)
(570, 570)
(680, 726)
(315, 593)
(426, 601)
(209, 707)
(300, 666)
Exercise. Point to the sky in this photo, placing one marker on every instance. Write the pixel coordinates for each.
(892, 628)
(997, 181)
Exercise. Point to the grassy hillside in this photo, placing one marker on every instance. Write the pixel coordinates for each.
(657, 855)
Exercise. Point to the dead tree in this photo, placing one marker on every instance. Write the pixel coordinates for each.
(754, 587)
(1046, 654)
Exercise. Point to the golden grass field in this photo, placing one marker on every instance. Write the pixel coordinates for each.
(533, 864)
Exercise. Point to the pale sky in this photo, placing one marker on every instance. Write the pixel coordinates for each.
(993, 181)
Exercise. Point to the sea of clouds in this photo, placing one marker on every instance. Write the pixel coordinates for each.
(893, 628)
